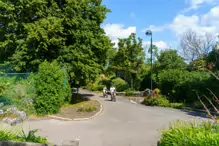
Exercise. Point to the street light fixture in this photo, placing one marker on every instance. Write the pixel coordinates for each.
(149, 33)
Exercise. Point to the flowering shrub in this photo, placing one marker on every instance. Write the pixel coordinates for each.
(15, 117)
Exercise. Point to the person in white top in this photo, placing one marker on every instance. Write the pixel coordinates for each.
(112, 89)
(113, 93)
(105, 92)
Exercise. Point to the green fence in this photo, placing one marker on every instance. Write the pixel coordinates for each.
(17, 75)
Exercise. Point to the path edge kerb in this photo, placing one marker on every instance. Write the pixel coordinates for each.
(79, 119)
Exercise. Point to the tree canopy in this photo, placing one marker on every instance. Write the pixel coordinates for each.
(69, 31)
(169, 59)
(129, 58)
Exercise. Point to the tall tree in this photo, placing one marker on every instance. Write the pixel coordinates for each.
(169, 59)
(129, 59)
(194, 45)
(64, 30)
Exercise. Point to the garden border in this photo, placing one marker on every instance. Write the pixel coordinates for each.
(79, 119)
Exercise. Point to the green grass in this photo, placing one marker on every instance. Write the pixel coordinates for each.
(192, 133)
(80, 104)
(87, 109)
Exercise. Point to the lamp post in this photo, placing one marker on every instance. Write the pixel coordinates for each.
(149, 33)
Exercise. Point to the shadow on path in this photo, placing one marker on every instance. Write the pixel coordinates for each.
(108, 100)
(87, 95)
(194, 113)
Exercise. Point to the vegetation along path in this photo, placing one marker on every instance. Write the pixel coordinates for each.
(121, 123)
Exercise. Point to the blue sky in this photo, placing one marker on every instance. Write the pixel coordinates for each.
(168, 19)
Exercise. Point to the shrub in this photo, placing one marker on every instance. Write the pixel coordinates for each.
(94, 87)
(180, 85)
(157, 91)
(51, 88)
(6, 84)
(193, 133)
(97, 87)
(129, 92)
(161, 101)
(120, 84)
(18, 93)
(177, 105)
(89, 86)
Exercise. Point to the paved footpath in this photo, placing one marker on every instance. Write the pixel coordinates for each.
(121, 123)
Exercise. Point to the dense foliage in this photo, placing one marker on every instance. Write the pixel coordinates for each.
(33, 31)
(180, 85)
(169, 59)
(52, 88)
(120, 84)
(129, 60)
(17, 92)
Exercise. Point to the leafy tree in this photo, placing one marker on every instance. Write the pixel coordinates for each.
(154, 54)
(33, 31)
(129, 59)
(169, 59)
(198, 65)
(213, 59)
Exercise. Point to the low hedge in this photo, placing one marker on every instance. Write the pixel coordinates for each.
(162, 102)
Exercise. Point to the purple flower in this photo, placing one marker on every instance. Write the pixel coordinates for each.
(12, 121)
(5, 120)
(20, 116)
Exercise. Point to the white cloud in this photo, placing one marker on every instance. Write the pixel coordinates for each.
(212, 17)
(196, 4)
(115, 31)
(194, 22)
(155, 28)
(200, 23)
(160, 44)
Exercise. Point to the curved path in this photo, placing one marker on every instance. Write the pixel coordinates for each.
(121, 123)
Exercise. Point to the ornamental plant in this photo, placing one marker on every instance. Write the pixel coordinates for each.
(15, 118)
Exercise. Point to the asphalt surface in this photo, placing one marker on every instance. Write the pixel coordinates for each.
(121, 123)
